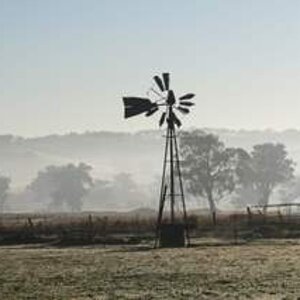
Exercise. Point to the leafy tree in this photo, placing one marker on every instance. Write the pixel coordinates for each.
(208, 166)
(290, 191)
(245, 192)
(126, 190)
(267, 167)
(4, 188)
(121, 192)
(63, 185)
(99, 196)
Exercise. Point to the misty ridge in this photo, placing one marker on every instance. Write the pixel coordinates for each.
(125, 167)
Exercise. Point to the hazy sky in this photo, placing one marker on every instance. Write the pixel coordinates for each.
(64, 65)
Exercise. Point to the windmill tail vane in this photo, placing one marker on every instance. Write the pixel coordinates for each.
(170, 231)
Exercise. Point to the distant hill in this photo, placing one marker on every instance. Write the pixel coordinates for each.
(108, 153)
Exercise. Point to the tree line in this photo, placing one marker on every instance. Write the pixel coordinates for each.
(211, 171)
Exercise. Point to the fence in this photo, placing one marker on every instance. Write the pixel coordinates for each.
(118, 229)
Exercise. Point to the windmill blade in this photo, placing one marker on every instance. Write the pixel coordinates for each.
(183, 109)
(135, 105)
(152, 111)
(186, 103)
(159, 82)
(162, 119)
(175, 119)
(187, 96)
(166, 78)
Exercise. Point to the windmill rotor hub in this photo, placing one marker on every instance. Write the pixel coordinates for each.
(171, 98)
(167, 100)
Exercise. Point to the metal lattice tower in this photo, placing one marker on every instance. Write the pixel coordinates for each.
(172, 226)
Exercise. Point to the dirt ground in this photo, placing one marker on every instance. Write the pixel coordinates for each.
(269, 270)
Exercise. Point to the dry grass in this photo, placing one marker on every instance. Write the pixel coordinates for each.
(97, 228)
(261, 271)
(85, 229)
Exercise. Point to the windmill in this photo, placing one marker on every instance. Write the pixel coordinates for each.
(173, 229)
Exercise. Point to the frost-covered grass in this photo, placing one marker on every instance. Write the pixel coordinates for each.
(254, 271)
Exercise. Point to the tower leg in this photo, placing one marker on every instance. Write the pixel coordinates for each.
(182, 193)
(172, 190)
(163, 190)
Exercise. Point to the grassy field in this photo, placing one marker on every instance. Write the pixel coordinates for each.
(268, 270)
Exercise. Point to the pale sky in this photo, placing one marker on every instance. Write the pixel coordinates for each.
(65, 64)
